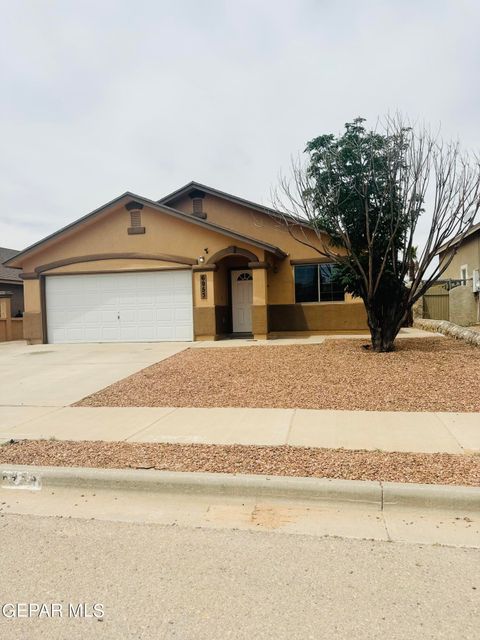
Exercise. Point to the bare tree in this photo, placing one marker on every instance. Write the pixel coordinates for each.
(363, 194)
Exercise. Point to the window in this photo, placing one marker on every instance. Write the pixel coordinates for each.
(464, 274)
(476, 280)
(306, 283)
(245, 276)
(317, 283)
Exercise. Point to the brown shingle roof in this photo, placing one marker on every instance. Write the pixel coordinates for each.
(7, 273)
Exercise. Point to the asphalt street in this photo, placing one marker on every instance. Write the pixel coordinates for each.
(155, 581)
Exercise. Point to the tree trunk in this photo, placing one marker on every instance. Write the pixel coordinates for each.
(383, 339)
(384, 328)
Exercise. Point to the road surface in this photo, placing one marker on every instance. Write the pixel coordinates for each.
(156, 581)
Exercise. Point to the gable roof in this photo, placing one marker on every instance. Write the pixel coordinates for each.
(129, 196)
(450, 244)
(7, 273)
(190, 186)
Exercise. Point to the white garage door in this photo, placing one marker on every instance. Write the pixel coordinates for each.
(114, 307)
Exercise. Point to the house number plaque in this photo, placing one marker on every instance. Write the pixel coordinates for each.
(203, 286)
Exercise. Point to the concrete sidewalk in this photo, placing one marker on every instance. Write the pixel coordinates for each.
(291, 338)
(387, 431)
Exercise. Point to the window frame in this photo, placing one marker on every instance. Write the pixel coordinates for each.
(319, 288)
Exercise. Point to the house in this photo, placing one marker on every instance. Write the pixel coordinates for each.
(464, 274)
(198, 264)
(10, 281)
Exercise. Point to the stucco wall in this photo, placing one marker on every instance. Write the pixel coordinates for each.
(334, 316)
(262, 226)
(114, 266)
(107, 234)
(468, 253)
(463, 305)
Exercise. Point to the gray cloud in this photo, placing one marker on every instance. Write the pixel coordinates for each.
(101, 97)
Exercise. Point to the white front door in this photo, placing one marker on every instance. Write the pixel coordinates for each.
(242, 296)
(143, 306)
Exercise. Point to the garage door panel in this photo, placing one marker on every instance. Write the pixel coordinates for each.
(133, 334)
(182, 315)
(166, 334)
(181, 334)
(74, 335)
(164, 314)
(153, 306)
(110, 334)
(90, 334)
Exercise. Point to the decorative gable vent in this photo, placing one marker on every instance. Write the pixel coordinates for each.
(197, 206)
(135, 210)
(197, 197)
(136, 218)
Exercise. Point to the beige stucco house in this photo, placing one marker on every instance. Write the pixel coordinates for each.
(197, 264)
(464, 271)
(465, 263)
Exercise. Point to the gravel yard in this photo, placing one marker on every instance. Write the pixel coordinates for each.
(423, 374)
(431, 468)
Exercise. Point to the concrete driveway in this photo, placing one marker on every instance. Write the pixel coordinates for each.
(57, 375)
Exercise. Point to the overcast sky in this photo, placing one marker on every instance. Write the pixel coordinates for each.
(106, 96)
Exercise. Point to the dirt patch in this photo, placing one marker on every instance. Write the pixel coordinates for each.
(436, 468)
(423, 374)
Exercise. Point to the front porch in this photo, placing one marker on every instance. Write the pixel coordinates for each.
(231, 296)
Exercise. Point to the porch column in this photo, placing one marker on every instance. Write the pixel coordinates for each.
(260, 300)
(204, 322)
(34, 315)
(5, 316)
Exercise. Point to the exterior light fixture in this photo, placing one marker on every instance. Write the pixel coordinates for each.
(201, 259)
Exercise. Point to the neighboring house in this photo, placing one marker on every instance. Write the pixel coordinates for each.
(198, 264)
(11, 282)
(464, 271)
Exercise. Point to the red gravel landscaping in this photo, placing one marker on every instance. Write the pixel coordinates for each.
(442, 468)
(423, 374)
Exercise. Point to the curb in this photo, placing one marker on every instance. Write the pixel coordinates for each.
(384, 496)
(430, 496)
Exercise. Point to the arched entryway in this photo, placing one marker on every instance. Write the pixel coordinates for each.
(230, 295)
(233, 295)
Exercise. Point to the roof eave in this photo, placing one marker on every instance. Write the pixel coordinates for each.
(128, 195)
(21, 254)
(222, 194)
(457, 240)
(236, 200)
